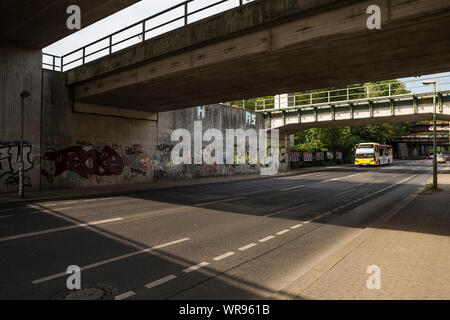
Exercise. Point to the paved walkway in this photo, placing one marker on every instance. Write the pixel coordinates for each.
(411, 248)
(8, 198)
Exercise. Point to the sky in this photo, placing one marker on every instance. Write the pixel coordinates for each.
(147, 8)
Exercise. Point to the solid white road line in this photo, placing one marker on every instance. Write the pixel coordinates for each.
(251, 245)
(297, 226)
(47, 231)
(224, 256)
(282, 232)
(196, 267)
(218, 201)
(285, 210)
(266, 239)
(160, 281)
(292, 188)
(103, 262)
(7, 216)
(125, 295)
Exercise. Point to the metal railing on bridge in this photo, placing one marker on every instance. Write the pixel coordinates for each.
(352, 94)
(180, 15)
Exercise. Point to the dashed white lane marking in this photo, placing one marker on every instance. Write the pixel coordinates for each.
(103, 262)
(251, 245)
(296, 226)
(344, 192)
(282, 232)
(320, 174)
(266, 239)
(48, 204)
(47, 231)
(196, 267)
(63, 209)
(224, 256)
(285, 210)
(125, 295)
(218, 201)
(6, 216)
(339, 178)
(296, 176)
(70, 202)
(292, 188)
(160, 281)
(90, 200)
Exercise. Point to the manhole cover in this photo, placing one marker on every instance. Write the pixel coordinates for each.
(92, 292)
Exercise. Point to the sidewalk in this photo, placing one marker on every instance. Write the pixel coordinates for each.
(412, 249)
(10, 198)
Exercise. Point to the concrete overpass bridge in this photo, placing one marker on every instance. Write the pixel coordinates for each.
(371, 104)
(413, 146)
(261, 48)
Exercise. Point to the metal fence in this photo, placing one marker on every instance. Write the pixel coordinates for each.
(184, 14)
(351, 94)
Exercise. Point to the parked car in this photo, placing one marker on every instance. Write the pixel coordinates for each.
(447, 156)
(440, 158)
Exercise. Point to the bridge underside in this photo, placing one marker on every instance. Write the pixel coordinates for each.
(39, 23)
(406, 109)
(333, 48)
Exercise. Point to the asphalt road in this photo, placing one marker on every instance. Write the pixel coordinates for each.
(232, 240)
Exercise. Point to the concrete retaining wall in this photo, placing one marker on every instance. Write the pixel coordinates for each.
(20, 70)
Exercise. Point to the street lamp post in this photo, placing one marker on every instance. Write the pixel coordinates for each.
(433, 82)
(23, 95)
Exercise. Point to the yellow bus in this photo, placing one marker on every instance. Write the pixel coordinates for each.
(373, 154)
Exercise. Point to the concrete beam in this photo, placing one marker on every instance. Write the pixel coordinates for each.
(318, 47)
(39, 23)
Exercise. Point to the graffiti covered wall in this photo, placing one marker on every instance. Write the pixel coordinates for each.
(93, 151)
(85, 147)
(216, 116)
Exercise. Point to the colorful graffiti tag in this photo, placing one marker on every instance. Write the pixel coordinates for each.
(100, 161)
(10, 161)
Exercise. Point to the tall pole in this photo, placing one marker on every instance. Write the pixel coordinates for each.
(434, 140)
(23, 95)
(21, 164)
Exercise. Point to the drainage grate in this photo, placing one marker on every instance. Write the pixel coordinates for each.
(91, 292)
